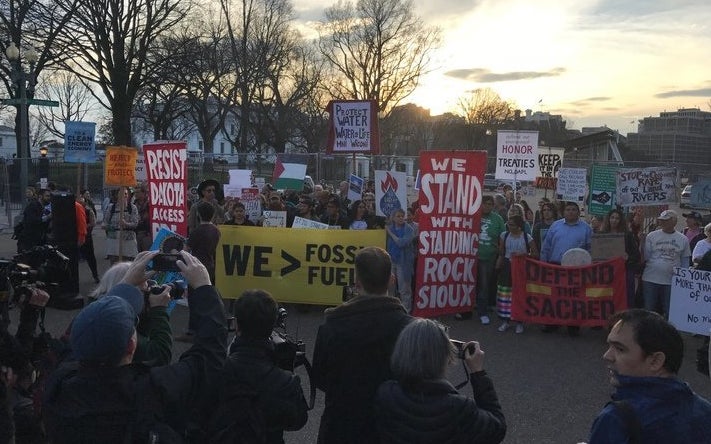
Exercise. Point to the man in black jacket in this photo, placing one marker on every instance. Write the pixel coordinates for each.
(352, 352)
(257, 400)
(104, 398)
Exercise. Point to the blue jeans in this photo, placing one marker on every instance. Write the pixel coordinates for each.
(655, 295)
(485, 273)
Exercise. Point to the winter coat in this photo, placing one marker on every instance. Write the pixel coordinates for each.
(434, 412)
(351, 359)
(256, 400)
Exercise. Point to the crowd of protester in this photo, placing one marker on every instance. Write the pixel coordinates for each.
(382, 371)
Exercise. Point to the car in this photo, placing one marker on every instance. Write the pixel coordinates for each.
(686, 197)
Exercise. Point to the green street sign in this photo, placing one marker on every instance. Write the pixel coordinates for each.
(38, 102)
(42, 102)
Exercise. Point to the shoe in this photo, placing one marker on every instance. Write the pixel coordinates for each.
(485, 320)
(503, 327)
(463, 316)
(519, 329)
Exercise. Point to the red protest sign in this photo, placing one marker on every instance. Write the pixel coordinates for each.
(450, 199)
(587, 296)
(167, 174)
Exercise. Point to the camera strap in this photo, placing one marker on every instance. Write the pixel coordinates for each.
(312, 386)
(466, 381)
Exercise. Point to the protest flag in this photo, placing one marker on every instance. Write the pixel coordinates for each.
(289, 172)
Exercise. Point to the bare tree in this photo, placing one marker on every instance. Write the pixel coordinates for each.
(31, 24)
(378, 49)
(75, 101)
(484, 111)
(107, 42)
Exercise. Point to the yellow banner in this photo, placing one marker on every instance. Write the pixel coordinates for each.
(120, 166)
(294, 265)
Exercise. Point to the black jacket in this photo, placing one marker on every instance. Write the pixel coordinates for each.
(433, 412)
(257, 400)
(131, 402)
(351, 359)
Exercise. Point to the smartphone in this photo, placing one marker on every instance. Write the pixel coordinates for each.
(166, 262)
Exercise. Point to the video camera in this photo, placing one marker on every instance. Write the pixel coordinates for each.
(40, 267)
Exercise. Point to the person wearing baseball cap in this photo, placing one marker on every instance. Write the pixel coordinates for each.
(664, 249)
(104, 397)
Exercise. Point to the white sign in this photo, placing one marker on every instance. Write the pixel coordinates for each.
(354, 127)
(516, 155)
(252, 203)
(274, 219)
(355, 188)
(232, 190)
(572, 185)
(390, 192)
(300, 222)
(690, 306)
(141, 175)
(645, 186)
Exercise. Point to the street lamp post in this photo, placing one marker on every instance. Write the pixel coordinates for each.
(24, 83)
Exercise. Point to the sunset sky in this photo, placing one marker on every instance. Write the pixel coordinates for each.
(596, 62)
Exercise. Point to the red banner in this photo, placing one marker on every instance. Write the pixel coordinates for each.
(544, 293)
(450, 199)
(167, 173)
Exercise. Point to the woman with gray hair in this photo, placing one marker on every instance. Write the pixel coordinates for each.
(702, 247)
(422, 406)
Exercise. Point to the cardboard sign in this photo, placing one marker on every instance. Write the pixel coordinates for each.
(606, 246)
(572, 185)
(252, 203)
(550, 160)
(690, 304)
(448, 241)
(544, 293)
(274, 218)
(311, 269)
(646, 186)
(167, 173)
(517, 155)
(353, 127)
(300, 222)
(120, 166)
(701, 194)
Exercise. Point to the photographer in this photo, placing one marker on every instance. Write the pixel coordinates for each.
(155, 338)
(422, 406)
(257, 400)
(19, 421)
(104, 398)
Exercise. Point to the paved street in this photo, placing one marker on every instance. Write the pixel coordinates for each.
(550, 385)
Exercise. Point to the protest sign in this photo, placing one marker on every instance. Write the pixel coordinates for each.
(544, 293)
(517, 155)
(300, 222)
(167, 173)
(252, 203)
(232, 190)
(390, 192)
(355, 188)
(646, 186)
(690, 303)
(448, 242)
(572, 185)
(79, 142)
(274, 218)
(120, 166)
(141, 175)
(701, 194)
(550, 160)
(602, 189)
(607, 245)
(241, 178)
(353, 127)
(311, 269)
